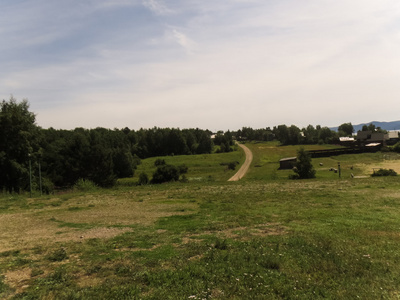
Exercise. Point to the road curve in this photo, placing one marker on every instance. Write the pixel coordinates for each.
(245, 167)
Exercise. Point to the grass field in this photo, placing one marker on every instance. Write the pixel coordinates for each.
(264, 237)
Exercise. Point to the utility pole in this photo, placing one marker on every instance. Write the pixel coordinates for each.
(30, 176)
(40, 177)
(339, 168)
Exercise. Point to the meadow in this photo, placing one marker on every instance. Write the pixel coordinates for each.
(263, 237)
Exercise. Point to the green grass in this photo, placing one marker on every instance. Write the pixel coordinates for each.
(265, 164)
(264, 237)
(201, 168)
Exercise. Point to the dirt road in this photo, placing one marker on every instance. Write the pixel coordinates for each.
(245, 167)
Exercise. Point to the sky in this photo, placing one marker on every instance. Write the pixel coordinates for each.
(210, 64)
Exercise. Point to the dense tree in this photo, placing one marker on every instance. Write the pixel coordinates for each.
(19, 144)
(326, 136)
(369, 127)
(346, 128)
(224, 140)
(294, 135)
(282, 134)
(304, 168)
(310, 135)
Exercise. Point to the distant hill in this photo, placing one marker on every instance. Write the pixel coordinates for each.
(394, 125)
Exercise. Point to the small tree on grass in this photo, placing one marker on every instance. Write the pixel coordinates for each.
(166, 173)
(143, 179)
(304, 168)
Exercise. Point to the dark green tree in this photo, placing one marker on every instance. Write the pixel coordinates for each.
(282, 134)
(19, 143)
(304, 168)
(310, 135)
(143, 179)
(165, 173)
(346, 128)
(326, 135)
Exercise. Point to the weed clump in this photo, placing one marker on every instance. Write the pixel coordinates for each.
(85, 185)
(58, 255)
(384, 172)
(230, 165)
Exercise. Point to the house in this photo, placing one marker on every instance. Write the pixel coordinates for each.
(347, 141)
(393, 137)
(287, 163)
(368, 137)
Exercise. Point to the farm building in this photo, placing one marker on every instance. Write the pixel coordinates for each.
(367, 137)
(287, 163)
(393, 137)
(347, 141)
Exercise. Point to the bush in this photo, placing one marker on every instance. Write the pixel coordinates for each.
(384, 172)
(165, 173)
(183, 169)
(304, 168)
(159, 162)
(396, 147)
(85, 185)
(184, 179)
(3, 286)
(230, 165)
(143, 179)
(47, 186)
(58, 255)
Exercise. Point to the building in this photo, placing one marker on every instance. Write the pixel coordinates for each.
(369, 137)
(287, 163)
(347, 141)
(393, 137)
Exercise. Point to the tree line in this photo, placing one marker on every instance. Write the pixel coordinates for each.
(293, 135)
(61, 157)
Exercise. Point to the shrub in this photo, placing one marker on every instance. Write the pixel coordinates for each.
(143, 179)
(165, 173)
(183, 169)
(3, 286)
(159, 162)
(396, 147)
(384, 172)
(184, 179)
(85, 185)
(58, 255)
(304, 168)
(230, 165)
(47, 186)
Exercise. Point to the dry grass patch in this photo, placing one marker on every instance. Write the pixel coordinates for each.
(88, 281)
(80, 218)
(368, 169)
(18, 279)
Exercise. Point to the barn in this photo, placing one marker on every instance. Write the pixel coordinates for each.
(287, 163)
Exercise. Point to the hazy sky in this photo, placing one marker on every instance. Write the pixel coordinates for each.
(207, 64)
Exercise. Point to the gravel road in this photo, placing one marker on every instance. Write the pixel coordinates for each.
(245, 167)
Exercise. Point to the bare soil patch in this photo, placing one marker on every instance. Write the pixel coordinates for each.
(18, 279)
(241, 233)
(81, 219)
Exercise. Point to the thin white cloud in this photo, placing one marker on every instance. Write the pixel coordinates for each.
(245, 63)
(157, 6)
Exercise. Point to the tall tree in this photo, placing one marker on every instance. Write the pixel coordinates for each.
(346, 128)
(19, 143)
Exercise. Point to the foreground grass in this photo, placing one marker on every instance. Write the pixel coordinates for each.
(334, 239)
(264, 237)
